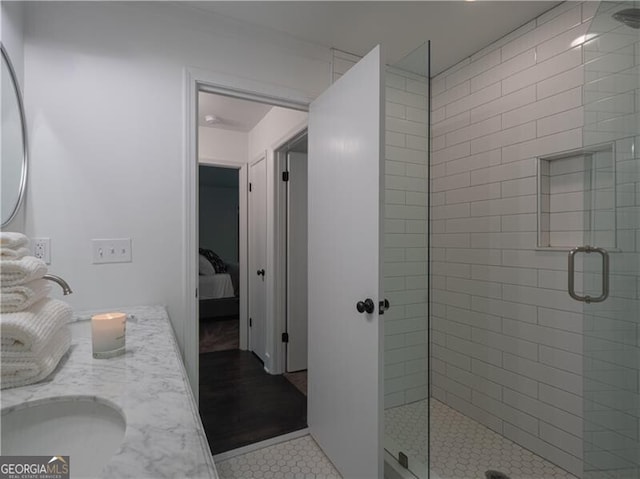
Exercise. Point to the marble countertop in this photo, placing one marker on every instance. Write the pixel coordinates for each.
(164, 437)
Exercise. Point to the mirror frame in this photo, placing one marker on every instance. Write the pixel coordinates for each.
(25, 150)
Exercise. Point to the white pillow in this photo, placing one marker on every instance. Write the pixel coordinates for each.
(205, 266)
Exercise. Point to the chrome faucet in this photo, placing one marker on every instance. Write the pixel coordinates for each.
(57, 279)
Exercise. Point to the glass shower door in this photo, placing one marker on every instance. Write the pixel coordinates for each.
(611, 348)
(611, 313)
(405, 270)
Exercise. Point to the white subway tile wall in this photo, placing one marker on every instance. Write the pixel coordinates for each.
(507, 337)
(405, 233)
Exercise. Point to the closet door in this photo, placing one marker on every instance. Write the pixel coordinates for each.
(257, 258)
(346, 172)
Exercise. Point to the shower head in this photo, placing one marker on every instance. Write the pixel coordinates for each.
(629, 16)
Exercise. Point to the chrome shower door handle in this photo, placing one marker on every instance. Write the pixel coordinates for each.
(605, 274)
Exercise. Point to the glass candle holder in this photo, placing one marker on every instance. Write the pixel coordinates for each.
(108, 334)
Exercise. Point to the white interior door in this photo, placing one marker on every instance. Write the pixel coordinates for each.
(297, 262)
(257, 258)
(346, 170)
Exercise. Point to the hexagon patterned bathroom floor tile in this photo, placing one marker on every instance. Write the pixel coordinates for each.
(461, 448)
(295, 459)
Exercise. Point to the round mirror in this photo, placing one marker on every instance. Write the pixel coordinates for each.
(13, 142)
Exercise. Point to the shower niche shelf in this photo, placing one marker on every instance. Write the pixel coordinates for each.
(577, 198)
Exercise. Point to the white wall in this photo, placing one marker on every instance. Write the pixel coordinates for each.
(507, 338)
(12, 36)
(226, 146)
(276, 127)
(104, 96)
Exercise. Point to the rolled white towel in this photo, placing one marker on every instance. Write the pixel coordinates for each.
(11, 253)
(25, 330)
(20, 369)
(20, 271)
(18, 298)
(9, 239)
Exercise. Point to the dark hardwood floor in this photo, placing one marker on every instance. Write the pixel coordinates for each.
(219, 334)
(241, 404)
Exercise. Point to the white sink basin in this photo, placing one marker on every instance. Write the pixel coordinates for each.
(84, 428)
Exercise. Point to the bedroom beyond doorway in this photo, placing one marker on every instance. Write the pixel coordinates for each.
(218, 262)
(219, 238)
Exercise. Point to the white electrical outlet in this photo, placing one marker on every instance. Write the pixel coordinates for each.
(42, 249)
(117, 250)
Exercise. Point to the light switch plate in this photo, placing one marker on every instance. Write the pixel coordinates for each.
(42, 249)
(114, 250)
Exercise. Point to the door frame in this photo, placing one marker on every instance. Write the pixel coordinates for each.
(243, 217)
(280, 228)
(195, 80)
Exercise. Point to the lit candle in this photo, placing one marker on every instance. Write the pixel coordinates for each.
(107, 334)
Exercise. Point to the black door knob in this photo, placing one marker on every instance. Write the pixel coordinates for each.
(366, 306)
(261, 272)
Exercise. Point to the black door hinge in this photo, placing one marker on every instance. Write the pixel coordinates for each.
(249, 186)
(250, 322)
(285, 337)
(285, 176)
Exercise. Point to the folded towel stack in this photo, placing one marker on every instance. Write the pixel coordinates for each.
(13, 245)
(34, 332)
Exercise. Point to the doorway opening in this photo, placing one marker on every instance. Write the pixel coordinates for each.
(345, 356)
(219, 258)
(243, 396)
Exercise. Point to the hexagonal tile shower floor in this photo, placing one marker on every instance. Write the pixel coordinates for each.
(462, 448)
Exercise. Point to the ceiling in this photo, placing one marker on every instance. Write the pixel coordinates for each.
(231, 113)
(457, 29)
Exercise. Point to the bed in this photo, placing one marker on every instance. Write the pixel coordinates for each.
(218, 287)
